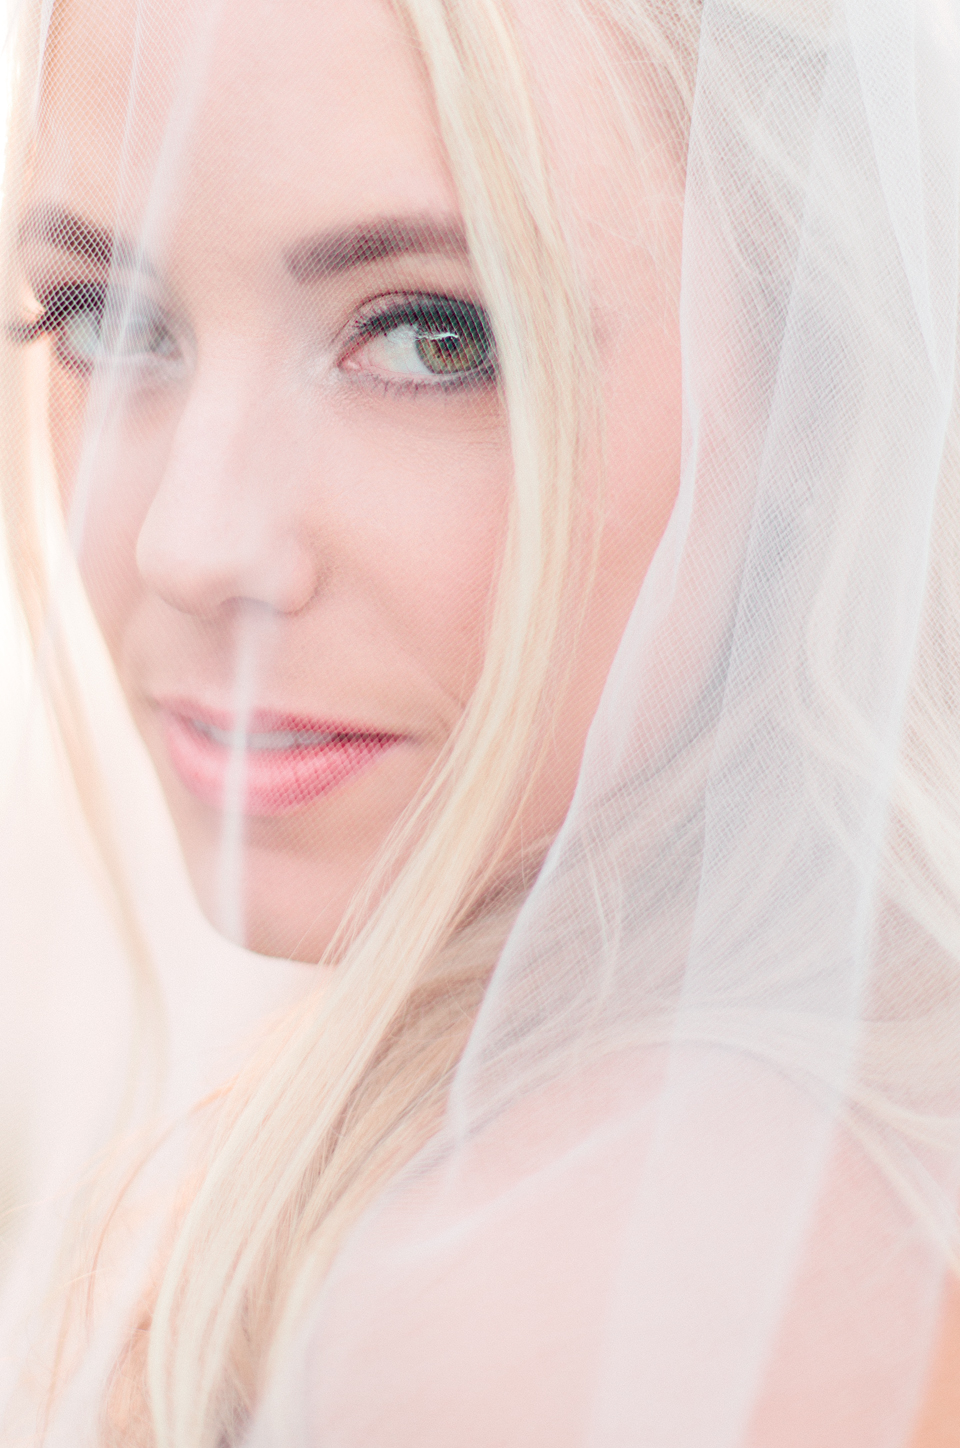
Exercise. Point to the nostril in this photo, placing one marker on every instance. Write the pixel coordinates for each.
(200, 564)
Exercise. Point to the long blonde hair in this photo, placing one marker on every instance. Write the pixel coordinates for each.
(348, 1088)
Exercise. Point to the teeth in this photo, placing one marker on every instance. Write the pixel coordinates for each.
(271, 739)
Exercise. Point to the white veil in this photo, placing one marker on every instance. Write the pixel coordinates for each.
(697, 1181)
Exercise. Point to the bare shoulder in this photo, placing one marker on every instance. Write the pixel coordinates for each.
(661, 1245)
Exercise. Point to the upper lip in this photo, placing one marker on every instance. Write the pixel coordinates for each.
(303, 729)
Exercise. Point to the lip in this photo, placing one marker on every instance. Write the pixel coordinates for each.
(289, 759)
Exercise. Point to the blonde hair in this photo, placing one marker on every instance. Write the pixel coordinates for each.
(354, 1082)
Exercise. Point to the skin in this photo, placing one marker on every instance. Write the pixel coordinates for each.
(263, 498)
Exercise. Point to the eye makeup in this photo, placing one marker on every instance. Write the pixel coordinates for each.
(93, 322)
(423, 340)
(405, 342)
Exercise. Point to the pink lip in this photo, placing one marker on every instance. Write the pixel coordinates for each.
(270, 778)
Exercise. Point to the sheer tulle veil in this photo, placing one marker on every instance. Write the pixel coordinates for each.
(647, 1132)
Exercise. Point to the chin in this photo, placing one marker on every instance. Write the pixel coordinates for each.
(279, 884)
(271, 901)
(278, 908)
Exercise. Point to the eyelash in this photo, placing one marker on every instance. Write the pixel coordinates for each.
(444, 323)
(434, 319)
(69, 300)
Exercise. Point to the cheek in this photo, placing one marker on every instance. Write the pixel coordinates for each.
(105, 491)
(640, 483)
(415, 522)
(644, 432)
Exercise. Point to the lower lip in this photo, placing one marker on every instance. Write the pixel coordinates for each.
(266, 781)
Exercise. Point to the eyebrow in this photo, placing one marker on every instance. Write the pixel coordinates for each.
(327, 254)
(331, 253)
(57, 227)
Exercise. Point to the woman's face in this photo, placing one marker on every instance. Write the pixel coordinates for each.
(290, 487)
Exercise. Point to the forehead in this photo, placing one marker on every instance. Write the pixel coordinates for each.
(279, 109)
(218, 132)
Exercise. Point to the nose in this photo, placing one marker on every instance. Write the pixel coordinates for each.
(227, 522)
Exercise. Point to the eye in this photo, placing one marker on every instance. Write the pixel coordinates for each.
(425, 341)
(93, 324)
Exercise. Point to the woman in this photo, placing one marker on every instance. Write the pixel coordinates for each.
(412, 376)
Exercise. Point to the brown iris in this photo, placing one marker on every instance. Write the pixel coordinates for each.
(452, 337)
(460, 350)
